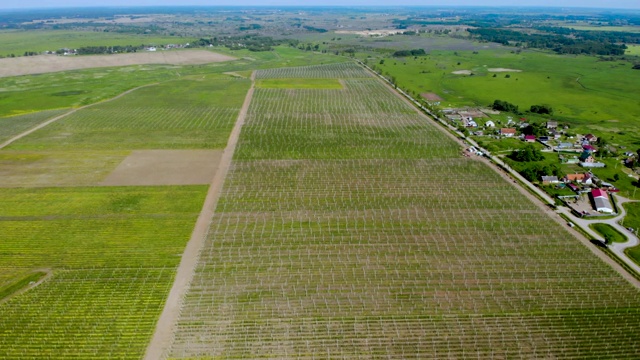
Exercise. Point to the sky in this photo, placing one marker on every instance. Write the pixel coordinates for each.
(619, 4)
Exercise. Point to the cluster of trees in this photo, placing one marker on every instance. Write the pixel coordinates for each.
(541, 109)
(251, 42)
(528, 164)
(413, 52)
(96, 50)
(501, 105)
(560, 44)
(526, 154)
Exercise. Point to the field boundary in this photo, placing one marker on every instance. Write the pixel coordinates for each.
(166, 323)
(50, 121)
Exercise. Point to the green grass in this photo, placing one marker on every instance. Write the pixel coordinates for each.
(11, 289)
(634, 254)
(632, 219)
(608, 232)
(632, 29)
(633, 50)
(18, 41)
(299, 84)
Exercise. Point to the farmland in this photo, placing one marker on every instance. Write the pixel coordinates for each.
(110, 254)
(386, 243)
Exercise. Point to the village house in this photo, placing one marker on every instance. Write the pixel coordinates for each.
(530, 138)
(591, 138)
(490, 124)
(508, 132)
(551, 124)
(573, 177)
(587, 157)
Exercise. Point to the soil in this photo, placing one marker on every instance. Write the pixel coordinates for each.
(165, 167)
(462, 72)
(42, 64)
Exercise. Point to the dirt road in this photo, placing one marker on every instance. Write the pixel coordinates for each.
(166, 324)
(38, 127)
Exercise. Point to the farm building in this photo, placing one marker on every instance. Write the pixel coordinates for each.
(600, 201)
(508, 132)
(552, 124)
(546, 180)
(530, 138)
(490, 124)
(543, 138)
(565, 145)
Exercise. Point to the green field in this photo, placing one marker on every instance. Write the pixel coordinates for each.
(633, 50)
(190, 113)
(15, 125)
(17, 42)
(585, 93)
(350, 226)
(631, 29)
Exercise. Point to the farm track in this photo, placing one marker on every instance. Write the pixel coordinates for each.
(162, 337)
(50, 121)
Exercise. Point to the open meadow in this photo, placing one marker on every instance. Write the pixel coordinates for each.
(350, 226)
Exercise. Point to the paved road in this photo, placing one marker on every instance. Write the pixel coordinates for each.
(617, 248)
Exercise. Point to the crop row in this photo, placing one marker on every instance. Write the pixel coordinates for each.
(86, 313)
(363, 121)
(179, 114)
(340, 238)
(14, 125)
(344, 70)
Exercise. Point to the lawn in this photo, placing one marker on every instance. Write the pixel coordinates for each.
(609, 233)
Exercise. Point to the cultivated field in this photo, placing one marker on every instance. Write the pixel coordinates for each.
(350, 227)
(54, 63)
(85, 271)
(110, 254)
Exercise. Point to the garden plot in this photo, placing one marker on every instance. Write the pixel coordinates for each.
(338, 238)
(165, 167)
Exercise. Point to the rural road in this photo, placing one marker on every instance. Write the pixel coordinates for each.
(505, 171)
(40, 126)
(163, 335)
(616, 248)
